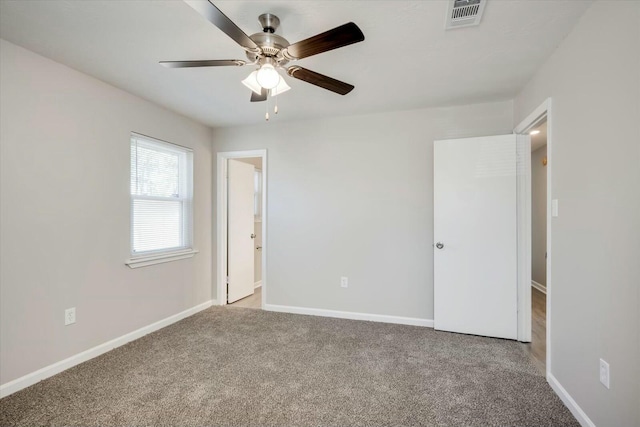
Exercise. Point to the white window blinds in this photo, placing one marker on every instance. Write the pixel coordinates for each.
(161, 196)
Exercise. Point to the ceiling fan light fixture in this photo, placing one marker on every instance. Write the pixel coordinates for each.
(281, 88)
(271, 52)
(268, 77)
(252, 83)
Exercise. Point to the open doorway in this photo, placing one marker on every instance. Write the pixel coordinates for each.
(241, 226)
(535, 305)
(538, 345)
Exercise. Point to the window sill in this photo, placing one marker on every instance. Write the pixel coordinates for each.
(145, 261)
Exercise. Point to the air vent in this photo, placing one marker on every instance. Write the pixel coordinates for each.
(464, 13)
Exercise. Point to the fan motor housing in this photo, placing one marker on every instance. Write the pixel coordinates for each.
(269, 42)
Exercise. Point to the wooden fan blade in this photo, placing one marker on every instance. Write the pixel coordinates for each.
(220, 20)
(341, 36)
(318, 79)
(259, 98)
(203, 63)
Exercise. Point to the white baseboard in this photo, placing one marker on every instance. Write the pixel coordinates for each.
(576, 410)
(51, 370)
(539, 287)
(350, 315)
(257, 284)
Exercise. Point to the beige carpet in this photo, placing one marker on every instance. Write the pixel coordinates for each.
(243, 367)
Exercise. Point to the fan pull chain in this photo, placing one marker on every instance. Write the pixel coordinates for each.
(266, 116)
(275, 109)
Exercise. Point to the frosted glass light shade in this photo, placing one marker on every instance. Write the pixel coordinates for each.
(281, 88)
(268, 76)
(252, 83)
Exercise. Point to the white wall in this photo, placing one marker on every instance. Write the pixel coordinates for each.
(539, 216)
(353, 196)
(594, 81)
(64, 190)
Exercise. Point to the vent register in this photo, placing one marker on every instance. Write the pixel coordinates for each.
(464, 13)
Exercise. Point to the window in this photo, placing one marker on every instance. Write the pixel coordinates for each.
(161, 197)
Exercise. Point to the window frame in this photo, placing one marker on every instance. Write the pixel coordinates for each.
(185, 197)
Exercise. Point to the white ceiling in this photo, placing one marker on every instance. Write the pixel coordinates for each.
(407, 60)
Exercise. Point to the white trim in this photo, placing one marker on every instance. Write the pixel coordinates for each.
(221, 219)
(548, 259)
(539, 286)
(257, 284)
(51, 370)
(144, 261)
(523, 214)
(221, 229)
(543, 111)
(350, 315)
(568, 401)
(535, 117)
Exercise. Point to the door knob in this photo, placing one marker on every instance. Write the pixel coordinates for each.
(253, 236)
(439, 245)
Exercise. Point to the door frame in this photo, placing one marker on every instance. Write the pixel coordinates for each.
(222, 198)
(543, 111)
(523, 218)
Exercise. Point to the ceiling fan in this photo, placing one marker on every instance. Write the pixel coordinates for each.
(271, 52)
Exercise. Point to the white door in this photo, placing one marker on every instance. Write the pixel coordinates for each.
(240, 232)
(475, 245)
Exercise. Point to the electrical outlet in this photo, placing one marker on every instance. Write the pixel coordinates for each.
(344, 282)
(604, 373)
(554, 208)
(69, 316)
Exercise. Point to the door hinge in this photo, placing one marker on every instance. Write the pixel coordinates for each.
(227, 280)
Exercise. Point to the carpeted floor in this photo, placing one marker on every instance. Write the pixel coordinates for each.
(243, 367)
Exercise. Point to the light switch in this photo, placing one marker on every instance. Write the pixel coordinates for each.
(554, 208)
